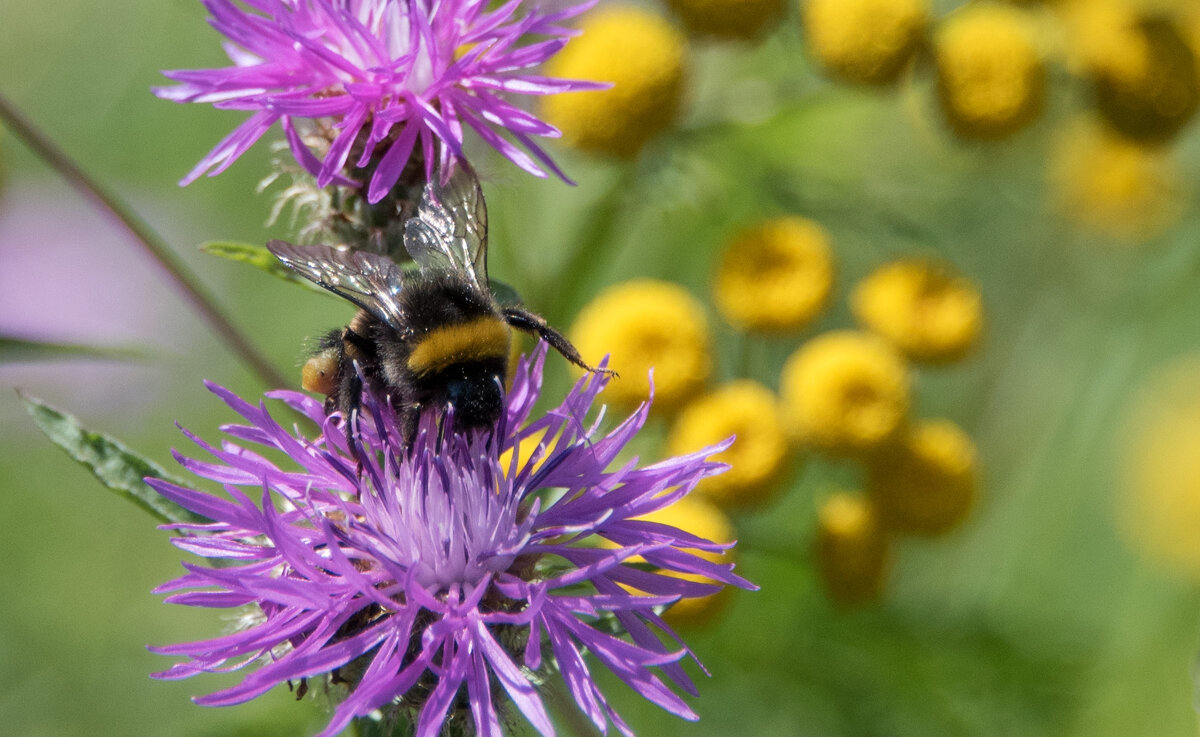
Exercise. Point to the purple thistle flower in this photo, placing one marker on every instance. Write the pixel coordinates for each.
(378, 77)
(444, 576)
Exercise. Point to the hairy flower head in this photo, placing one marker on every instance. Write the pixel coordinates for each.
(775, 277)
(845, 392)
(749, 412)
(991, 73)
(440, 583)
(366, 82)
(644, 58)
(923, 308)
(925, 483)
(645, 325)
(864, 41)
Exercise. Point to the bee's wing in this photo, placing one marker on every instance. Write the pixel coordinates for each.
(449, 230)
(371, 281)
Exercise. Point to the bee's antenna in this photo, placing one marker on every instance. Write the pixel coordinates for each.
(528, 322)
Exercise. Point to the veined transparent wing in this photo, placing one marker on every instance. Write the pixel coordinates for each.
(449, 230)
(371, 281)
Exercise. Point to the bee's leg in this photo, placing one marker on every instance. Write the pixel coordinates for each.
(300, 690)
(408, 416)
(353, 407)
(355, 348)
(528, 322)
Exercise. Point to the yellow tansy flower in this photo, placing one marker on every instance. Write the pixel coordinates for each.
(1095, 33)
(852, 549)
(925, 483)
(1158, 508)
(1190, 22)
(727, 19)
(646, 324)
(845, 392)
(775, 277)
(705, 520)
(1114, 186)
(1147, 84)
(643, 56)
(863, 41)
(758, 456)
(991, 79)
(923, 308)
(525, 449)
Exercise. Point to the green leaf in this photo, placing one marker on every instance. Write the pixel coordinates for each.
(257, 256)
(13, 350)
(116, 466)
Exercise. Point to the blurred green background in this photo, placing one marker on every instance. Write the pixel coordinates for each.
(1034, 618)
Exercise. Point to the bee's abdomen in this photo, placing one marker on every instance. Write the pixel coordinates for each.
(476, 391)
(483, 338)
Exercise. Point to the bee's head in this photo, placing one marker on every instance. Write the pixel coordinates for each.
(477, 393)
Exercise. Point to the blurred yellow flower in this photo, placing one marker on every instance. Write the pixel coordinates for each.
(705, 520)
(926, 482)
(525, 448)
(643, 56)
(775, 277)
(1114, 186)
(1093, 30)
(1144, 70)
(758, 456)
(647, 324)
(991, 78)
(852, 549)
(863, 41)
(1190, 25)
(845, 392)
(1158, 507)
(923, 308)
(727, 19)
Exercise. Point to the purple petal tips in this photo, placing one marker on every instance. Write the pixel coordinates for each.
(365, 79)
(440, 578)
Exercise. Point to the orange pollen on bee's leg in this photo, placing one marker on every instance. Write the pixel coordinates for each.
(479, 339)
(319, 374)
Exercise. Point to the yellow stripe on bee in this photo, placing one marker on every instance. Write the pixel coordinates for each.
(479, 339)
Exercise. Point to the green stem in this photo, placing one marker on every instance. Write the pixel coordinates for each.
(153, 244)
(741, 351)
(577, 724)
(598, 229)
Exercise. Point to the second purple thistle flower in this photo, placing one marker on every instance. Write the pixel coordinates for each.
(360, 85)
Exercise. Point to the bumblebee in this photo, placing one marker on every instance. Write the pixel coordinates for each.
(433, 336)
